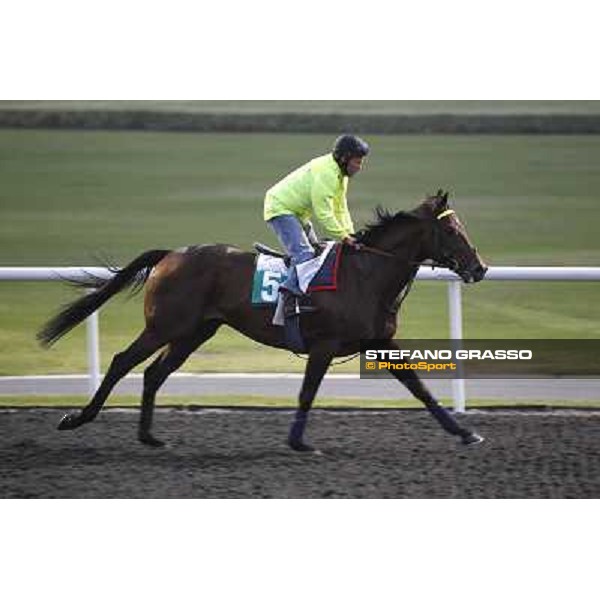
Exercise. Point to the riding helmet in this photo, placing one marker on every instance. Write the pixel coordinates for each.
(348, 146)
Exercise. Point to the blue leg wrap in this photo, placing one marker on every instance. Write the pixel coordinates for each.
(298, 426)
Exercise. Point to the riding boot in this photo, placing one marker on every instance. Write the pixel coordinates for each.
(291, 283)
(291, 289)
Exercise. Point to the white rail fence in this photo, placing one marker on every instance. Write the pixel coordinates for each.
(425, 273)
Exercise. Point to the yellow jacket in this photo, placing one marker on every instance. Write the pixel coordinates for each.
(317, 189)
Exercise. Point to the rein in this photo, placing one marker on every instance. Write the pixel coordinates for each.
(376, 251)
(385, 254)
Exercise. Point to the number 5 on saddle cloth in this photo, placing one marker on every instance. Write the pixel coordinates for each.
(318, 274)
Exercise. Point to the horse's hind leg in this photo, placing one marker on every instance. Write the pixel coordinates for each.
(141, 349)
(156, 374)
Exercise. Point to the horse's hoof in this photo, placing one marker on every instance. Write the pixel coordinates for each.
(472, 439)
(150, 440)
(70, 421)
(300, 446)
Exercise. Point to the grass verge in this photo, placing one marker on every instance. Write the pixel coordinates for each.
(191, 402)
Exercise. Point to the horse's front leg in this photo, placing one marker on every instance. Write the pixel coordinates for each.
(319, 359)
(412, 382)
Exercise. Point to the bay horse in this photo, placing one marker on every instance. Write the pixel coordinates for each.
(191, 292)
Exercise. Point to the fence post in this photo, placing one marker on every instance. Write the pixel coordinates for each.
(455, 305)
(93, 351)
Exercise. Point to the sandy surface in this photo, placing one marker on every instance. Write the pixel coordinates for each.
(242, 454)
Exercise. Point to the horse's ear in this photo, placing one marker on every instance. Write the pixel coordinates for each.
(441, 199)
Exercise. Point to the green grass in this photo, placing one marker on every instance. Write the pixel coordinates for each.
(276, 402)
(418, 107)
(66, 196)
(491, 310)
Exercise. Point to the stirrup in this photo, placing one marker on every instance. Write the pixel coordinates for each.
(292, 305)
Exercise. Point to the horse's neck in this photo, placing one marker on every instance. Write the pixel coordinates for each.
(402, 240)
(407, 243)
(400, 272)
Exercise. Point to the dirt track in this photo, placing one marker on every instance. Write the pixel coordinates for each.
(367, 454)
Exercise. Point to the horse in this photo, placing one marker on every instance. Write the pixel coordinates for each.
(190, 292)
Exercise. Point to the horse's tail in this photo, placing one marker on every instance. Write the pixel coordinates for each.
(135, 273)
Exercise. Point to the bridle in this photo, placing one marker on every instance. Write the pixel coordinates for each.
(438, 245)
(437, 248)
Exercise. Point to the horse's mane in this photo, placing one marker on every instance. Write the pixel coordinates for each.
(384, 219)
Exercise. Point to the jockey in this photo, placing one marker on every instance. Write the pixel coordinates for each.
(316, 189)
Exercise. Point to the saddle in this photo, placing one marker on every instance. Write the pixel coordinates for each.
(264, 249)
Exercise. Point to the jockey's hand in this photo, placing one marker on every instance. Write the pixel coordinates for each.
(350, 241)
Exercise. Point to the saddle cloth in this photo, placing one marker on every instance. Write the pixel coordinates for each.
(317, 274)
